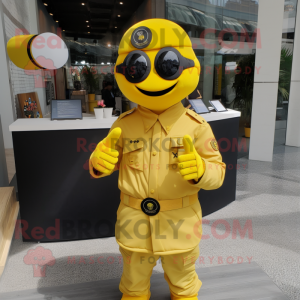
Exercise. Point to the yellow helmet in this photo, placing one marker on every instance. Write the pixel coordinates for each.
(157, 66)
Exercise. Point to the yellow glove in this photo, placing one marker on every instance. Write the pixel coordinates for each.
(190, 164)
(105, 156)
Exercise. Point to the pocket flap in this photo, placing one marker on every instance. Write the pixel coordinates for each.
(176, 142)
(133, 145)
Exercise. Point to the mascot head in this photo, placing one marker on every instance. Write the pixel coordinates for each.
(157, 66)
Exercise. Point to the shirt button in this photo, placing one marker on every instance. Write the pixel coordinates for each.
(154, 153)
(152, 191)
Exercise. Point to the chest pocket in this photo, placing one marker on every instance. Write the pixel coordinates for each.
(176, 149)
(133, 154)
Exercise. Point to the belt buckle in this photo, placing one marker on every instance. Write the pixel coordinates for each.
(150, 207)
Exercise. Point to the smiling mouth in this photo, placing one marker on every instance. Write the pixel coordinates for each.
(158, 93)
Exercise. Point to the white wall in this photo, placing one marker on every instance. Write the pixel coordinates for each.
(20, 17)
(17, 20)
(6, 106)
(266, 80)
(35, 29)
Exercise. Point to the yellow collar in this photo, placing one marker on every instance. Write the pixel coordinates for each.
(167, 119)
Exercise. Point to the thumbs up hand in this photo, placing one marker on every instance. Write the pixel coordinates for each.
(105, 156)
(190, 164)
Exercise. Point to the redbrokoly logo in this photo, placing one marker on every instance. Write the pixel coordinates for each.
(40, 258)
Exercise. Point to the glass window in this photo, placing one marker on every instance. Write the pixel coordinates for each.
(285, 72)
(223, 34)
(180, 13)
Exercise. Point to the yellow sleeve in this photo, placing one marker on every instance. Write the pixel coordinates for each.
(207, 147)
(119, 146)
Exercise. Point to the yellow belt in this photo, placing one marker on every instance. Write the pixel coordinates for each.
(164, 204)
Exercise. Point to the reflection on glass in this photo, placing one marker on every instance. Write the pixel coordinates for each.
(167, 63)
(224, 37)
(136, 66)
(237, 16)
(243, 82)
(222, 33)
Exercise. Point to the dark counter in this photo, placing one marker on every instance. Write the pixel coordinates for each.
(59, 200)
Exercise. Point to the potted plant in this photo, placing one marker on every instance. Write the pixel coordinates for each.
(286, 61)
(91, 83)
(244, 82)
(99, 109)
(243, 86)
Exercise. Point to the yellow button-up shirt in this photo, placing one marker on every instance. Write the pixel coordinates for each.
(148, 167)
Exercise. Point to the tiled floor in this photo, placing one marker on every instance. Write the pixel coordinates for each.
(267, 205)
(240, 281)
(279, 140)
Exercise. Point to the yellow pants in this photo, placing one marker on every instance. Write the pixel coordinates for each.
(179, 272)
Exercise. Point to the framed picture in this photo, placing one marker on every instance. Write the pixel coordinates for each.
(30, 105)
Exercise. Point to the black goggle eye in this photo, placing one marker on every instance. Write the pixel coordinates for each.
(167, 64)
(136, 67)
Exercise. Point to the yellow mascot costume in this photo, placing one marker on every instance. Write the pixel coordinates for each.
(165, 154)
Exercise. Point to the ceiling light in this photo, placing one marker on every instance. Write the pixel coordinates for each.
(56, 21)
(88, 32)
(63, 30)
(88, 26)
(82, 3)
(119, 16)
(108, 63)
(83, 62)
(109, 45)
(51, 14)
(102, 63)
(87, 21)
(116, 27)
(121, 3)
(45, 4)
